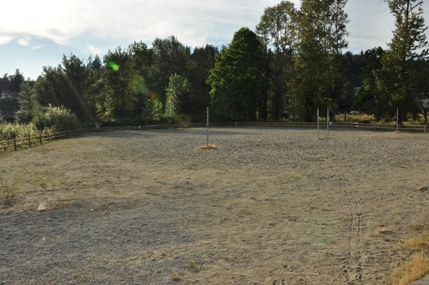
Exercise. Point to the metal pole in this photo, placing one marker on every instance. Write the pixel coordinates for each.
(397, 120)
(327, 122)
(318, 125)
(207, 126)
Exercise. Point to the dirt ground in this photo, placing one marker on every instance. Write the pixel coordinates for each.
(268, 206)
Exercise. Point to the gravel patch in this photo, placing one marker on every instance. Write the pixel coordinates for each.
(267, 206)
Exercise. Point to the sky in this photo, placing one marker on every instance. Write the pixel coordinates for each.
(37, 33)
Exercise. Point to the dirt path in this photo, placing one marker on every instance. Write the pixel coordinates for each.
(269, 206)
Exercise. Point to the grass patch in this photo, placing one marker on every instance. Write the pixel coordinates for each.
(419, 242)
(175, 276)
(85, 279)
(418, 267)
(7, 193)
(63, 203)
(194, 267)
(411, 271)
(344, 219)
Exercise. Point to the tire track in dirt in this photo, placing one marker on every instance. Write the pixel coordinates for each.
(352, 266)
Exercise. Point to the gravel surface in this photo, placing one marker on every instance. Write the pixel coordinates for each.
(268, 206)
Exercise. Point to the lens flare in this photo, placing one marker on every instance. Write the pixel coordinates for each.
(114, 66)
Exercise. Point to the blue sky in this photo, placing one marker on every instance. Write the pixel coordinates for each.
(36, 33)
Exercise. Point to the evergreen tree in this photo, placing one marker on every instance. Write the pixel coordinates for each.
(198, 70)
(117, 75)
(28, 105)
(65, 85)
(407, 47)
(237, 78)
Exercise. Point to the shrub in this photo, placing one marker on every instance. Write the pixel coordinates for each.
(57, 119)
(10, 131)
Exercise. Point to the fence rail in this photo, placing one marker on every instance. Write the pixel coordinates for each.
(350, 125)
(31, 141)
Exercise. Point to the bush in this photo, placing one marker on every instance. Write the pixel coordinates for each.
(152, 112)
(57, 119)
(10, 131)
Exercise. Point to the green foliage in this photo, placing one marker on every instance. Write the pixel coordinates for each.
(28, 104)
(198, 70)
(237, 79)
(15, 82)
(7, 192)
(177, 95)
(152, 111)
(116, 89)
(65, 85)
(56, 119)
(193, 266)
(293, 65)
(169, 57)
(407, 48)
(10, 131)
(276, 29)
(117, 76)
(368, 99)
(317, 76)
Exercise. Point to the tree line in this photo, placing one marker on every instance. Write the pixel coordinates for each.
(290, 65)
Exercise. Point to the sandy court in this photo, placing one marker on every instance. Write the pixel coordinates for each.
(268, 206)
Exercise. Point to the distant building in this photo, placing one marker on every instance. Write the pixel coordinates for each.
(6, 95)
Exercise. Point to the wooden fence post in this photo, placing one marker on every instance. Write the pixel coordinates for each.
(425, 128)
(41, 138)
(14, 144)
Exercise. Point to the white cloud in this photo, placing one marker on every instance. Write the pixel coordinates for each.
(37, 47)
(24, 41)
(4, 39)
(193, 22)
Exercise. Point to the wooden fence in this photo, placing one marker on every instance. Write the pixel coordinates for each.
(351, 125)
(31, 141)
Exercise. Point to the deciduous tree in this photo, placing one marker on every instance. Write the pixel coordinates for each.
(276, 28)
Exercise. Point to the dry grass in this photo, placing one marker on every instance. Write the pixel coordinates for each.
(383, 230)
(175, 276)
(419, 242)
(418, 267)
(412, 271)
(8, 193)
(208, 146)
